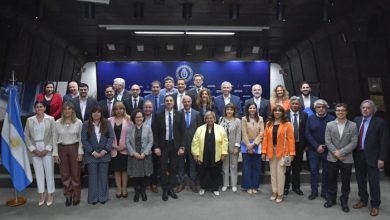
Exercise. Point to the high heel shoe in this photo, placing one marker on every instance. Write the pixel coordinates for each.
(42, 200)
(50, 199)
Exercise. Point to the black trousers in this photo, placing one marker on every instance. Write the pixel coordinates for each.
(295, 168)
(153, 179)
(345, 170)
(362, 172)
(168, 163)
(211, 177)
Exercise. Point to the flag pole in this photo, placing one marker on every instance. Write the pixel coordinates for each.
(18, 200)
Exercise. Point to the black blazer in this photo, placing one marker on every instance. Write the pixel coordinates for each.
(264, 110)
(302, 125)
(91, 102)
(376, 144)
(159, 131)
(195, 121)
(103, 104)
(194, 95)
(129, 104)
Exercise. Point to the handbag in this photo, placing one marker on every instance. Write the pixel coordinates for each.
(286, 159)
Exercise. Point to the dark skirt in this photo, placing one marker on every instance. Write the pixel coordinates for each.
(119, 163)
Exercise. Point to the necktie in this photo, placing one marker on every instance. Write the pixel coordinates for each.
(361, 132)
(135, 104)
(109, 106)
(188, 119)
(170, 134)
(197, 91)
(155, 103)
(296, 129)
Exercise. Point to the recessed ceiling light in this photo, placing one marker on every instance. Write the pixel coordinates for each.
(198, 47)
(255, 49)
(140, 47)
(159, 32)
(106, 2)
(111, 47)
(209, 33)
(170, 47)
(227, 48)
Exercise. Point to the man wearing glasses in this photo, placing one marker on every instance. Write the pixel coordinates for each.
(315, 137)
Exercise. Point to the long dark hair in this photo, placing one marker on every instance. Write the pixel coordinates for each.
(247, 112)
(271, 119)
(103, 122)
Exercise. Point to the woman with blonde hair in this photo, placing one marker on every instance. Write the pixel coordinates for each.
(278, 142)
(68, 152)
(120, 123)
(280, 96)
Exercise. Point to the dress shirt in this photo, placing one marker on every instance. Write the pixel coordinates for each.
(306, 101)
(136, 101)
(167, 124)
(226, 99)
(39, 131)
(97, 131)
(179, 100)
(258, 102)
(83, 106)
(292, 117)
(120, 95)
(148, 121)
(365, 129)
(67, 134)
(341, 126)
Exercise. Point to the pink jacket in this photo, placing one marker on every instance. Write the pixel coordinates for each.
(126, 124)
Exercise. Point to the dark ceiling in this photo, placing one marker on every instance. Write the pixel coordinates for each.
(73, 21)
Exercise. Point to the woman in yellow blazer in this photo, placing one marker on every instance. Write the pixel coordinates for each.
(278, 141)
(209, 148)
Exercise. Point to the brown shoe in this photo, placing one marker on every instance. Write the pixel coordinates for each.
(359, 205)
(194, 189)
(374, 211)
(179, 188)
(154, 188)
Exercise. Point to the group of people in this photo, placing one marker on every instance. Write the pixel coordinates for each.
(188, 137)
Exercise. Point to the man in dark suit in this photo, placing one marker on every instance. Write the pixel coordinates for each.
(135, 102)
(168, 132)
(155, 97)
(181, 92)
(307, 102)
(226, 97)
(263, 105)
(108, 102)
(186, 162)
(198, 85)
(298, 119)
(120, 92)
(83, 104)
(370, 155)
(73, 91)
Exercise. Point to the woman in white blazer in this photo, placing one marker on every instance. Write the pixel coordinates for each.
(38, 134)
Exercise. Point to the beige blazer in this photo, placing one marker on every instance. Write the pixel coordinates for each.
(29, 133)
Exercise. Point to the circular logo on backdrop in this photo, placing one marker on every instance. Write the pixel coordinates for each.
(184, 72)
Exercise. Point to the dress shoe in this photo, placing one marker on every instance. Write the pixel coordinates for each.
(298, 191)
(125, 195)
(374, 211)
(136, 197)
(76, 202)
(323, 196)
(41, 199)
(201, 192)
(68, 202)
(144, 197)
(234, 188)
(279, 199)
(254, 191)
(224, 188)
(329, 204)
(313, 195)
(165, 195)
(286, 192)
(345, 208)
(49, 201)
(249, 191)
(273, 196)
(194, 189)
(216, 193)
(179, 188)
(172, 194)
(359, 205)
(103, 202)
(94, 203)
(118, 196)
(154, 188)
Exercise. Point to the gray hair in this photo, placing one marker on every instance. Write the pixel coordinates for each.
(321, 102)
(120, 81)
(209, 113)
(295, 98)
(371, 103)
(226, 83)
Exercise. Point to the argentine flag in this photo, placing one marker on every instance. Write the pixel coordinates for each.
(14, 153)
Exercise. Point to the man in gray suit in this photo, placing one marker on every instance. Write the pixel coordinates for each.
(341, 140)
(186, 162)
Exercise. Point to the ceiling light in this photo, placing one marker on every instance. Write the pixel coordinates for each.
(227, 48)
(210, 33)
(159, 32)
(111, 47)
(140, 47)
(255, 49)
(170, 47)
(106, 2)
(182, 28)
(198, 47)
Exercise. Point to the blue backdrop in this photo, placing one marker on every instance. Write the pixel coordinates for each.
(241, 74)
